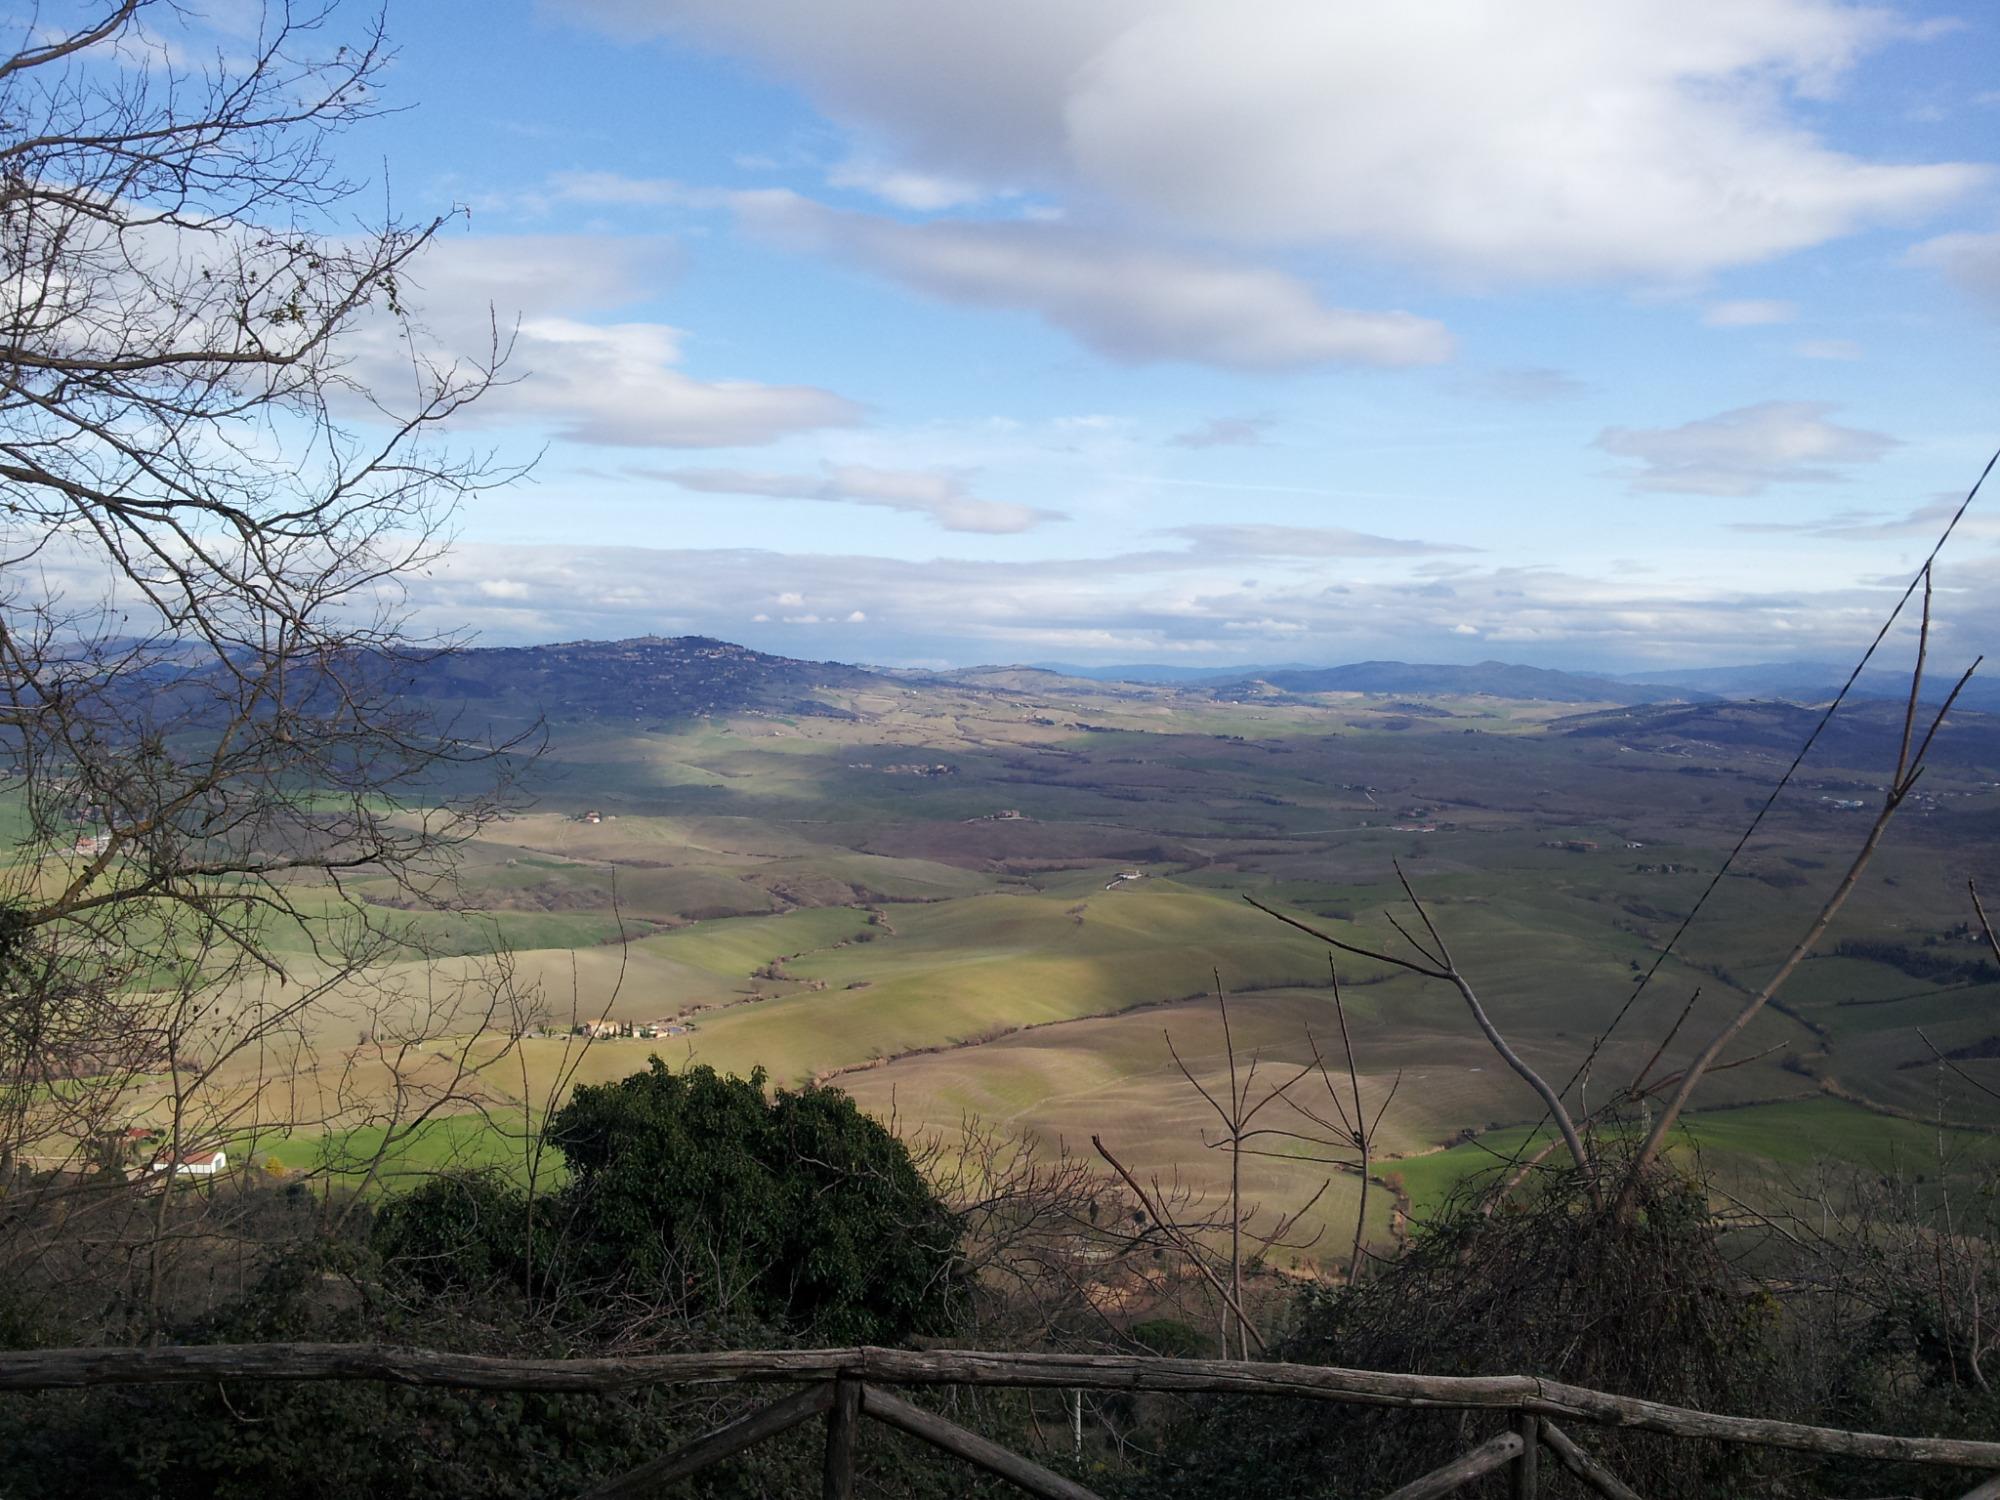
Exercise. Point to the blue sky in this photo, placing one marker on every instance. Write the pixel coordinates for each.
(1600, 333)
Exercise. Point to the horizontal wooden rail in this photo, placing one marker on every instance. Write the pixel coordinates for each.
(69, 1368)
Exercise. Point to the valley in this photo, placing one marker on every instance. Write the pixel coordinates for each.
(998, 895)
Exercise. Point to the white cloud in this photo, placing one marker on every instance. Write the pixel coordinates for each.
(1922, 523)
(1529, 138)
(940, 494)
(1744, 451)
(1529, 384)
(589, 381)
(1224, 432)
(1969, 261)
(1752, 313)
(969, 89)
(560, 193)
(1526, 137)
(461, 277)
(1127, 302)
(924, 192)
(614, 385)
(614, 189)
(1266, 626)
(1302, 541)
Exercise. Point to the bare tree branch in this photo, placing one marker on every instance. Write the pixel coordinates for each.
(1909, 767)
(1439, 965)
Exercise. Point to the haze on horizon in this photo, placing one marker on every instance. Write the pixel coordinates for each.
(1119, 331)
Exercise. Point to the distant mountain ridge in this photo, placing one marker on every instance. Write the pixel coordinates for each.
(1817, 682)
(687, 676)
(1788, 682)
(1495, 679)
(667, 677)
(645, 677)
(1787, 679)
(1153, 674)
(1864, 734)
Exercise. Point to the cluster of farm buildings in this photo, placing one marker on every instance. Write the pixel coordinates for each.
(605, 1028)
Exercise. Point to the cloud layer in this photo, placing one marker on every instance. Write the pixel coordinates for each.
(613, 384)
(1127, 302)
(938, 494)
(1255, 541)
(1617, 140)
(1969, 261)
(1224, 432)
(1158, 605)
(1745, 451)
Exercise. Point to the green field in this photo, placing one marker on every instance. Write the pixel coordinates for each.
(925, 899)
(1766, 1152)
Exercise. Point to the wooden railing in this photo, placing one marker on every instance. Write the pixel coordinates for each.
(844, 1385)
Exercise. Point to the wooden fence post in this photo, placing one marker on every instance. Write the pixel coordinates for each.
(766, 1422)
(1527, 1468)
(1494, 1453)
(843, 1420)
(970, 1446)
(1600, 1479)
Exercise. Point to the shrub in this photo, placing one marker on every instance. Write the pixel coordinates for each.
(1644, 1305)
(797, 1210)
(694, 1198)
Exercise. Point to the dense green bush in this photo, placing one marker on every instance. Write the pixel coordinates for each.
(799, 1210)
(696, 1200)
(462, 1233)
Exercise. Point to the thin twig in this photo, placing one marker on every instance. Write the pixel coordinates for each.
(1186, 1246)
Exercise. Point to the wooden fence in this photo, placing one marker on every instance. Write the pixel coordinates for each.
(844, 1385)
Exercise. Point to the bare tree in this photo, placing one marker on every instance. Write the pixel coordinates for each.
(1434, 961)
(1911, 752)
(206, 752)
(1985, 922)
(1339, 1134)
(1353, 1130)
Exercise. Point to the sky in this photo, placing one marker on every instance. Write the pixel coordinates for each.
(1606, 334)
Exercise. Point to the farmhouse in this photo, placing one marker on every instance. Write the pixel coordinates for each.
(188, 1164)
(608, 1028)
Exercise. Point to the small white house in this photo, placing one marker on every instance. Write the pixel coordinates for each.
(194, 1164)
